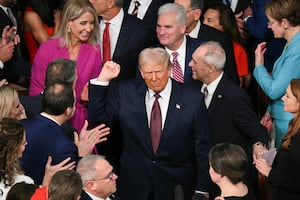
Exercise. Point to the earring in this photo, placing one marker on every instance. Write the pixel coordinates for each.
(69, 30)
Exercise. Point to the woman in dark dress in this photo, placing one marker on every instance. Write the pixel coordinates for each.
(284, 174)
(228, 165)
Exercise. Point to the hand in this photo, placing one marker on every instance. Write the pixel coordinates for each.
(258, 151)
(263, 167)
(50, 170)
(3, 82)
(266, 121)
(7, 33)
(219, 198)
(199, 196)
(259, 53)
(84, 95)
(6, 52)
(87, 139)
(239, 21)
(247, 12)
(110, 70)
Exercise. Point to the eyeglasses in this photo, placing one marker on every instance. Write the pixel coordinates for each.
(109, 176)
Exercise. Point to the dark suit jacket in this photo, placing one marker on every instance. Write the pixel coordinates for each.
(207, 33)
(233, 120)
(16, 66)
(133, 38)
(45, 138)
(151, 13)
(181, 157)
(85, 196)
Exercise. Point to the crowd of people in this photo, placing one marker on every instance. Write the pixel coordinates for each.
(149, 100)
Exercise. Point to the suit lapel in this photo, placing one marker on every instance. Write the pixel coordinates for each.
(174, 112)
(141, 115)
(123, 37)
(218, 96)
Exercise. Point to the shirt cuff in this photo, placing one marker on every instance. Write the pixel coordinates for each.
(201, 192)
(1, 65)
(94, 81)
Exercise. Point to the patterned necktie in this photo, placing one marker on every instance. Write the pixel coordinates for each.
(11, 16)
(155, 123)
(205, 92)
(136, 8)
(176, 69)
(106, 43)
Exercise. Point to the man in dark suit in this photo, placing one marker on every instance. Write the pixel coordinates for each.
(231, 115)
(99, 180)
(171, 27)
(147, 10)
(17, 66)
(128, 35)
(203, 32)
(154, 161)
(45, 137)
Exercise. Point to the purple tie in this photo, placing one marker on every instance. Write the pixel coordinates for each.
(155, 123)
(176, 69)
(205, 92)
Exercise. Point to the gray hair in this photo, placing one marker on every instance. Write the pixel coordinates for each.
(197, 4)
(155, 55)
(86, 167)
(174, 8)
(215, 54)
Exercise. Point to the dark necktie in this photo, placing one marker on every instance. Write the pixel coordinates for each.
(155, 123)
(205, 92)
(11, 16)
(136, 8)
(106, 43)
(176, 69)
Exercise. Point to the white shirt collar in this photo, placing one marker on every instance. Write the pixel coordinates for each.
(49, 117)
(194, 33)
(96, 198)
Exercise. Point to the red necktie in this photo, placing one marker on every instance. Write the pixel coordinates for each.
(136, 8)
(176, 69)
(155, 123)
(106, 43)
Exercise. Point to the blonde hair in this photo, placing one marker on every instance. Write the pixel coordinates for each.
(73, 9)
(7, 96)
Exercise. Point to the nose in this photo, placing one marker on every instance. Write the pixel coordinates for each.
(154, 76)
(115, 177)
(190, 64)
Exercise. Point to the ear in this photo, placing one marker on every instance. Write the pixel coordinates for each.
(69, 111)
(285, 23)
(183, 28)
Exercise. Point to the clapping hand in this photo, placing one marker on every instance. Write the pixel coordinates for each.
(87, 139)
(50, 170)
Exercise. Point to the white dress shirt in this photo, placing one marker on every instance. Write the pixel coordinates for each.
(96, 198)
(114, 30)
(211, 88)
(163, 102)
(194, 33)
(144, 5)
(181, 55)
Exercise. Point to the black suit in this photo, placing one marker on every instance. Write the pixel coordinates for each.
(233, 120)
(151, 13)
(85, 196)
(133, 38)
(207, 33)
(16, 66)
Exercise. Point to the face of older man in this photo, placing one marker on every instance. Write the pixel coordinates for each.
(199, 68)
(169, 32)
(155, 76)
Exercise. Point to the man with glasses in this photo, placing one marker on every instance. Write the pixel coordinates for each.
(98, 178)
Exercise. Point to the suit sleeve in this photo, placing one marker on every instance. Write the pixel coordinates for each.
(247, 121)
(202, 147)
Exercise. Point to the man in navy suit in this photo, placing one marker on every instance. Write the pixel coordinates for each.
(45, 137)
(151, 166)
(170, 30)
(98, 178)
(196, 29)
(128, 35)
(230, 112)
